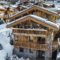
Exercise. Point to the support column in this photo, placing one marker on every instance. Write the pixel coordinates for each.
(48, 53)
(31, 24)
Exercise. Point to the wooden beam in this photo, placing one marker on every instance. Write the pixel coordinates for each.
(31, 24)
(25, 34)
(32, 19)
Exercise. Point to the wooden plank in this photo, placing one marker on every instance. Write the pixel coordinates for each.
(30, 45)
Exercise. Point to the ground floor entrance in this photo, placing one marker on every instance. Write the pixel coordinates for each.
(40, 54)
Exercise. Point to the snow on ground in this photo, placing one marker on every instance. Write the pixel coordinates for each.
(58, 56)
(5, 42)
(3, 55)
(7, 49)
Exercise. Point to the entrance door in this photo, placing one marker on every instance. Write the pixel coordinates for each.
(38, 54)
(41, 54)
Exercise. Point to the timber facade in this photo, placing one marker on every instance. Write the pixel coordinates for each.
(33, 35)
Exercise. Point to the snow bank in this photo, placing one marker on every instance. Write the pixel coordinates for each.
(5, 42)
(2, 26)
(3, 55)
(8, 49)
(58, 56)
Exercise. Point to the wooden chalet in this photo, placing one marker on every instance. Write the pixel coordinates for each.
(33, 35)
(39, 11)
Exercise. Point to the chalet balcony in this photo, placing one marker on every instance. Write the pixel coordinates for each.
(34, 32)
(35, 46)
(31, 45)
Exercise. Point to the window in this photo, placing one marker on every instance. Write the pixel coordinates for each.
(43, 27)
(35, 25)
(19, 26)
(21, 50)
(48, 16)
(43, 53)
(27, 25)
(41, 40)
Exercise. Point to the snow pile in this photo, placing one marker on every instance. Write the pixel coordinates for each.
(2, 26)
(7, 49)
(3, 55)
(14, 57)
(58, 56)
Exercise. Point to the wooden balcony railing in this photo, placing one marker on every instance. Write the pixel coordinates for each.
(30, 31)
(35, 46)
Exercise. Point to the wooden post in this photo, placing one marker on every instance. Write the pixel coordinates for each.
(31, 24)
(23, 25)
(48, 53)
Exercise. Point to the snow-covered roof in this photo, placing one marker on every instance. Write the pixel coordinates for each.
(4, 2)
(13, 6)
(45, 21)
(24, 6)
(16, 20)
(52, 10)
(48, 4)
(56, 8)
(2, 7)
(21, 11)
(38, 18)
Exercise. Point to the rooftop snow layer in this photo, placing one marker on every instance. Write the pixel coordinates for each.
(21, 11)
(45, 21)
(5, 42)
(53, 10)
(40, 19)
